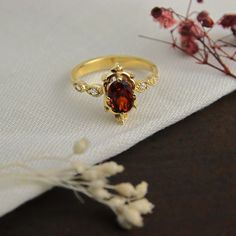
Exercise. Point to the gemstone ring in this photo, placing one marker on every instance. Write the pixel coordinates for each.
(118, 85)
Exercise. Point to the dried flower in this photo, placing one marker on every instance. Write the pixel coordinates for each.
(116, 202)
(163, 16)
(124, 199)
(141, 189)
(233, 29)
(191, 37)
(131, 214)
(142, 205)
(125, 189)
(99, 193)
(79, 167)
(189, 32)
(205, 20)
(129, 217)
(228, 21)
(189, 28)
(81, 146)
(189, 45)
(109, 168)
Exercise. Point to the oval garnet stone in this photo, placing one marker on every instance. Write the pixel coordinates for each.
(121, 96)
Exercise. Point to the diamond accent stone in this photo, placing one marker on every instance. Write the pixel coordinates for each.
(152, 80)
(79, 87)
(142, 85)
(94, 91)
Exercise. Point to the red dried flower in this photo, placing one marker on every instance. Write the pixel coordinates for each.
(189, 45)
(163, 16)
(200, 1)
(156, 12)
(228, 21)
(190, 29)
(205, 20)
(234, 30)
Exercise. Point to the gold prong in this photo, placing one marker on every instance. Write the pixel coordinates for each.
(135, 104)
(107, 99)
(117, 68)
(131, 75)
(121, 118)
(132, 81)
(119, 78)
(106, 108)
(106, 103)
(104, 77)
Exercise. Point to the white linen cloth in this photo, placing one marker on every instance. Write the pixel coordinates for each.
(40, 113)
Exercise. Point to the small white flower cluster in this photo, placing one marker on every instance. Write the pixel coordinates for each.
(128, 202)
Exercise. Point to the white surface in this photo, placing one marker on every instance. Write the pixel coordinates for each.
(40, 112)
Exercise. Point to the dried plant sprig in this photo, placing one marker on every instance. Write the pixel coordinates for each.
(191, 35)
(127, 201)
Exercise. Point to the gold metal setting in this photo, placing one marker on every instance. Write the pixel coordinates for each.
(116, 65)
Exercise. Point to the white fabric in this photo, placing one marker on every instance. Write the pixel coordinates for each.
(41, 115)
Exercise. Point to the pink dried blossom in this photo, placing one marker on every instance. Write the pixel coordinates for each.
(189, 45)
(163, 16)
(228, 21)
(191, 36)
(205, 20)
(189, 28)
(234, 30)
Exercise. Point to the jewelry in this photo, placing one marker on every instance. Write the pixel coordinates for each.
(119, 86)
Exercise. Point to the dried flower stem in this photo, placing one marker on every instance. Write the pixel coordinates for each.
(199, 60)
(227, 44)
(189, 8)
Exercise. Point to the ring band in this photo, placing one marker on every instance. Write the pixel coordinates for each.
(119, 86)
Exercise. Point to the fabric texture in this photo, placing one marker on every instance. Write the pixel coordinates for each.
(42, 115)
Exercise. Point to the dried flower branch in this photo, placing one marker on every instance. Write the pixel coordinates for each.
(127, 201)
(191, 35)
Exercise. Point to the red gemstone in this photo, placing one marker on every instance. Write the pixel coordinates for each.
(121, 96)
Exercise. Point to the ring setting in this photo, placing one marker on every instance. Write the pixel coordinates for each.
(118, 86)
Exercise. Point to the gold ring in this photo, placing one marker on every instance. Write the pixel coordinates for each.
(119, 86)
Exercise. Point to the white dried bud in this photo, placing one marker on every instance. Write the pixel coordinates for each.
(99, 193)
(123, 222)
(91, 175)
(125, 189)
(80, 146)
(109, 168)
(141, 189)
(116, 202)
(130, 217)
(79, 166)
(142, 205)
(99, 183)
